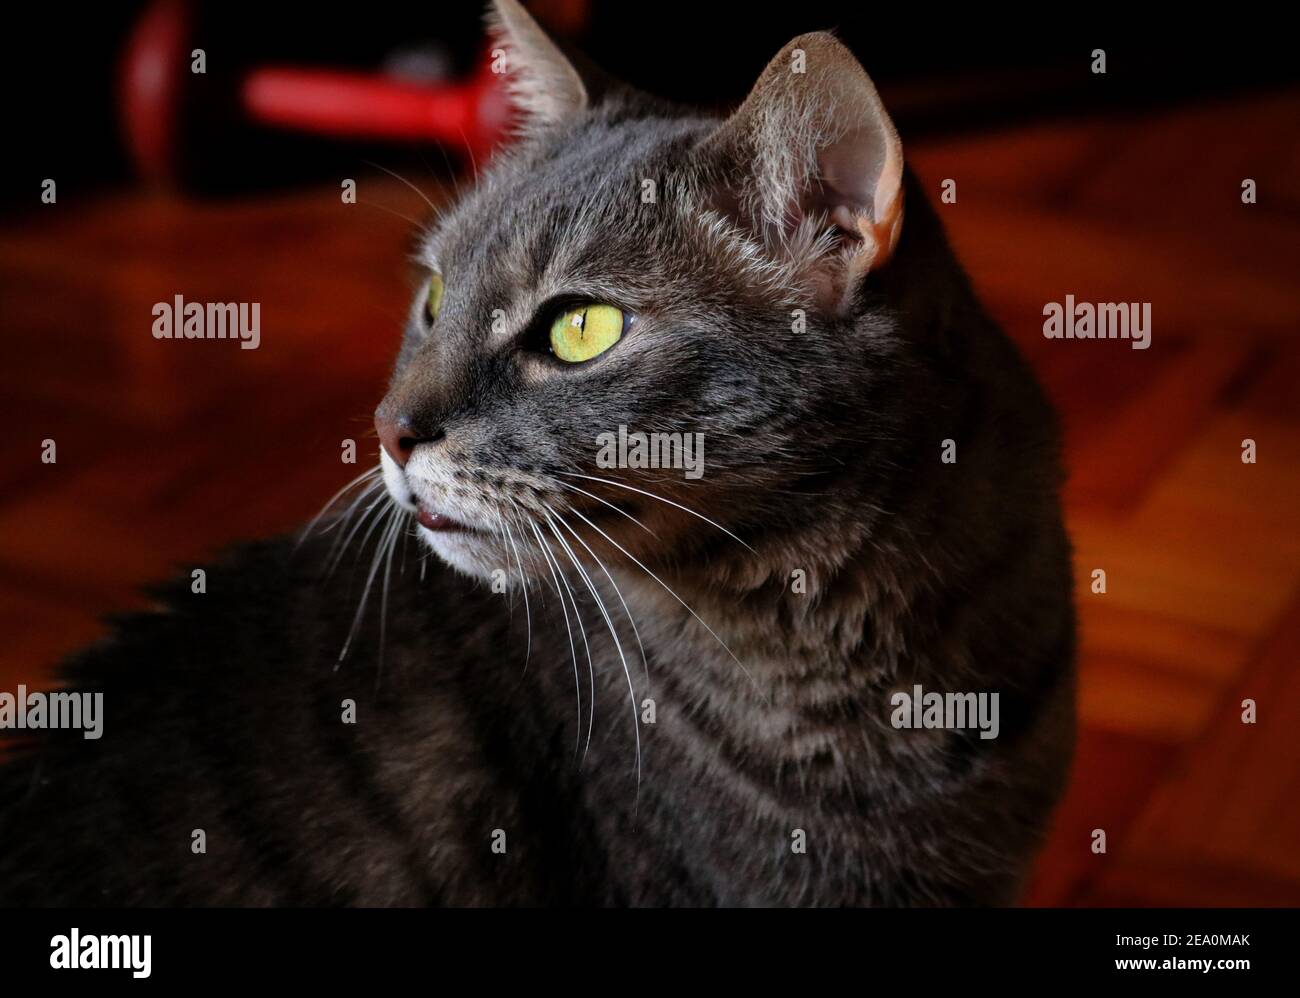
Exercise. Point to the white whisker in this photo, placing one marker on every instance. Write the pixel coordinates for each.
(523, 584)
(668, 589)
(678, 505)
(616, 509)
(582, 629)
(397, 176)
(382, 504)
(368, 492)
(370, 578)
(618, 592)
(372, 473)
(613, 633)
(573, 649)
(399, 521)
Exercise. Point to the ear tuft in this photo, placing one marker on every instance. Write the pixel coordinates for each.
(543, 83)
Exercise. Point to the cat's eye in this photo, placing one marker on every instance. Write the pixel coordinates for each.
(586, 331)
(433, 301)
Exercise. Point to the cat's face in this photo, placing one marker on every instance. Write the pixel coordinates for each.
(700, 351)
(592, 287)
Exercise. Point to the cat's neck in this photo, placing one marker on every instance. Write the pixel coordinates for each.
(782, 619)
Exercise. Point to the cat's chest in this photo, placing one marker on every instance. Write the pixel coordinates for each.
(695, 774)
(744, 796)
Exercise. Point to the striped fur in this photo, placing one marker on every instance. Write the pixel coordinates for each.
(223, 713)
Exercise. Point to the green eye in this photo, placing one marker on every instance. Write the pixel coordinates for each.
(434, 301)
(585, 332)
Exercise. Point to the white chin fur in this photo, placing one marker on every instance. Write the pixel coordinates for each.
(467, 553)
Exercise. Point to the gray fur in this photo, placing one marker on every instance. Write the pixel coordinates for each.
(823, 455)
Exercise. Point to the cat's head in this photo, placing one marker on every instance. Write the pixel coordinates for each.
(628, 269)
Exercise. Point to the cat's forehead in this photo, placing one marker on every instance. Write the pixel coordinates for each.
(558, 199)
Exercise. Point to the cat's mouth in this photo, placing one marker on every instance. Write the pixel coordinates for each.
(431, 519)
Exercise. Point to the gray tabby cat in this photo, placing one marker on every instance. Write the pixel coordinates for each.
(689, 693)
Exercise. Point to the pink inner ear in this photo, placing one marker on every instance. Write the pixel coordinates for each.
(861, 189)
(851, 171)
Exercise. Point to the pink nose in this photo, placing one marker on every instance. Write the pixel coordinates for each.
(395, 438)
(398, 438)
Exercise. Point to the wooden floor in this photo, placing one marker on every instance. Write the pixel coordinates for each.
(167, 452)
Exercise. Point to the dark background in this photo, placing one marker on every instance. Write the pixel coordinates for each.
(940, 70)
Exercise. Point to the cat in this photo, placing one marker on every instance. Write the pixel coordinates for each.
(619, 686)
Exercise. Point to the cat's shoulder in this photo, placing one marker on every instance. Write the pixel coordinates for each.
(276, 608)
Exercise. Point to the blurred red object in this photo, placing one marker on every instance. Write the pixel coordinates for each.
(360, 105)
(157, 84)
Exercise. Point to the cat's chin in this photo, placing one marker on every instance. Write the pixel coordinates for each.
(469, 552)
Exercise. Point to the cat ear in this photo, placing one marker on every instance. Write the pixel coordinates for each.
(816, 142)
(544, 83)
